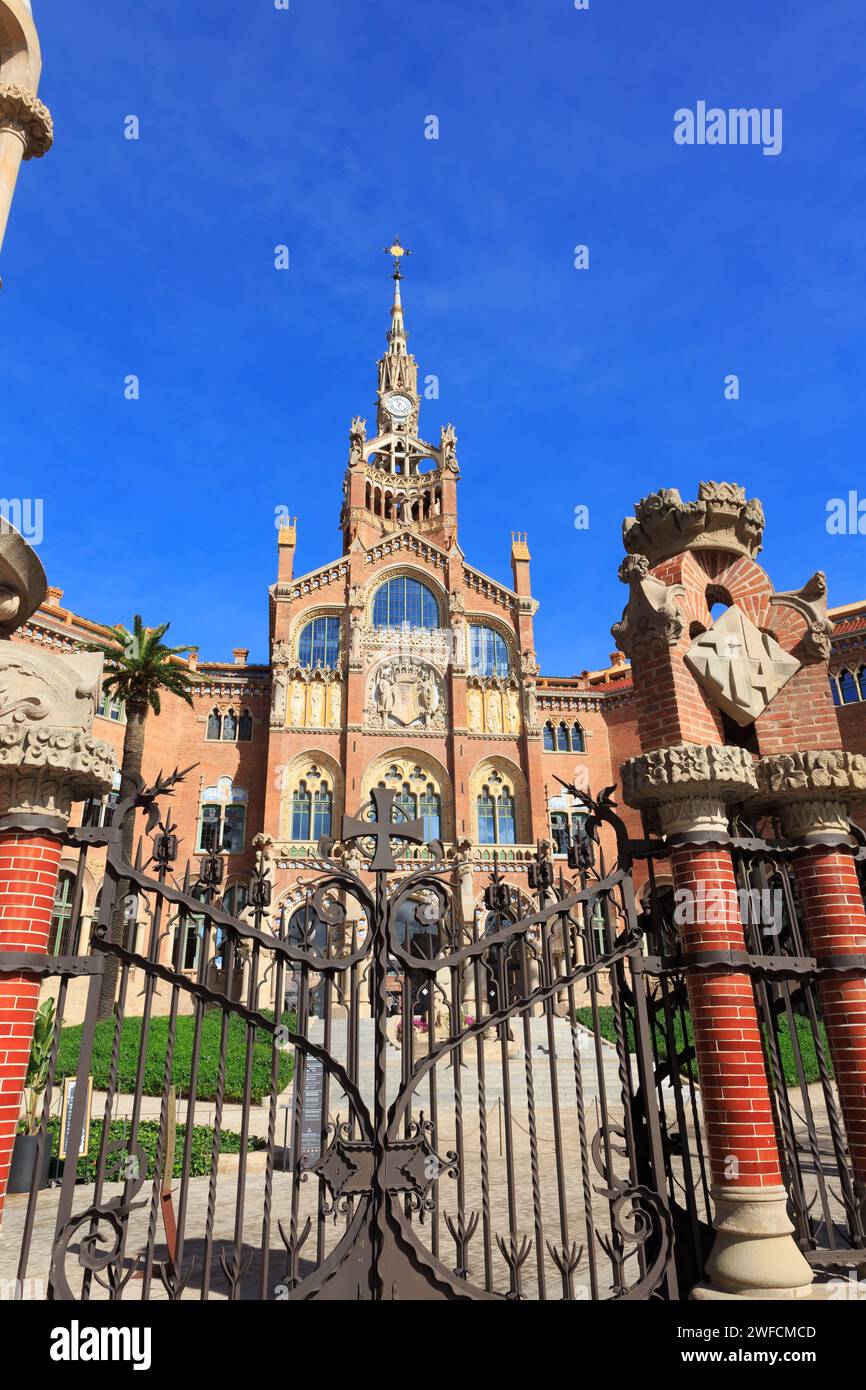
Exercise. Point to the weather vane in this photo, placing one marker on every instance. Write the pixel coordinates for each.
(397, 251)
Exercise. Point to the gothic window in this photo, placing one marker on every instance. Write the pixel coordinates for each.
(214, 725)
(301, 812)
(488, 652)
(430, 809)
(319, 644)
(221, 828)
(101, 812)
(496, 817)
(61, 917)
(245, 727)
(323, 805)
(405, 601)
(578, 741)
(406, 803)
(848, 687)
(834, 691)
(562, 739)
(548, 738)
(230, 726)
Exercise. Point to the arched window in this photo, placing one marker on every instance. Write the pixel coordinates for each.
(405, 601)
(834, 691)
(319, 644)
(578, 741)
(61, 943)
(496, 817)
(214, 724)
(245, 727)
(230, 726)
(430, 810)
(301, 812)
(488, 652)
(848, 687)
(406, 802)
(323, 806)
(236, 898)
(548, 738)
(562, 739)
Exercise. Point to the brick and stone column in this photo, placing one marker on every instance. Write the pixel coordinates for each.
(814, 793)
(689, 787)
(48, 760)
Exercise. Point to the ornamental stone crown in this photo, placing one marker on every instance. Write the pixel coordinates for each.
(721, 519)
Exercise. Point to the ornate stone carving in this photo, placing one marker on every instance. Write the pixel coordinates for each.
(690, 784)
(279, 690)
(22, 580)
(281, 652)
(811, 603)
(44, 769)
(813, 791)
(652, 616)
(406, 695)
(448, 449)
(721, 519)
(493, 705)
(741, 668)
(23, 112)
(357, 440)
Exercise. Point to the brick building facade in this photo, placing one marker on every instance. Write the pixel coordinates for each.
(398, 663)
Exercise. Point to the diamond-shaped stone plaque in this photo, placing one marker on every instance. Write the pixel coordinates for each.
(740, 667)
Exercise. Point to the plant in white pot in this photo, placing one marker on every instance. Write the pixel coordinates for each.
(27, 1137)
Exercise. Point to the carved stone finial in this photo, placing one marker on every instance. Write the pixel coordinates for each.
(721, 519)
(23, 112)
(652, 616)
(811, 603)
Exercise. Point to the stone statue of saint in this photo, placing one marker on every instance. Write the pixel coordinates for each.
(385, 694)
(317, 692)
(494, 712)
(278, 701)
(512, 705)
(336, 704)
(473, 707)
(297, 706)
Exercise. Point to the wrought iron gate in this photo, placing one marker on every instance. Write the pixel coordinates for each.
(504, 1107)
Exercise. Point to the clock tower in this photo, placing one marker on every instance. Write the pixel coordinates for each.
(397, 480)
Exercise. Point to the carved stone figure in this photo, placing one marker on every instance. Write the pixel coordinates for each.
(473, 708)
(297, 703)
(528, 664)
(385, 694)
(811, 603)
(355, 642)
(357, 440)
(448, 448)
(531, 706)
(512, 709)
(281, 652)
(336, 704)
(278, 697)
(317, 700)
(494, 712)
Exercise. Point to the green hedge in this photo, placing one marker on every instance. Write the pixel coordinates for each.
(786, 1047)
(157, 1049)
(148, 1137)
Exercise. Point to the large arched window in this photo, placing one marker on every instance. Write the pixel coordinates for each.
(302, 805)
(319, 644)
(549, 738)
(405, 601)
(488, 652)
(323, 806)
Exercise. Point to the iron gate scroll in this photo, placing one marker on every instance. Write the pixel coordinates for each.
(480, 1143)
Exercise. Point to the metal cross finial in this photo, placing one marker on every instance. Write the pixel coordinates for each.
(383, 829)
(397, 251)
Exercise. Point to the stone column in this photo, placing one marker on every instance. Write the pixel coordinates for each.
(814, 793)
(689, 787)
(25, 133)
(48, 760)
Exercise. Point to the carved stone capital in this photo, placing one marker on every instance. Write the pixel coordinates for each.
(721, 519)
(43, 770)
(689, 785)
(24, 113)
(652, 617)
(813, 791)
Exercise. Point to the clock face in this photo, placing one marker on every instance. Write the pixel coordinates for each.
(399, 406)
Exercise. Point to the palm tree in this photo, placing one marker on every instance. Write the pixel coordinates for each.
(138, 667)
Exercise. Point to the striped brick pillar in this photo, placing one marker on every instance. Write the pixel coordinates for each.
(813, 792)
(689, 787)
(29, 865)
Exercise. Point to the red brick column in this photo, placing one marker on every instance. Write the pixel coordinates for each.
(835, 922)
(29, 865)
(738, 1115)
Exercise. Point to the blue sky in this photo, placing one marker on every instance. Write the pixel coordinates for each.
(306, 127)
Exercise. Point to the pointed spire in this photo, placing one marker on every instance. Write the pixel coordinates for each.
(396, 337)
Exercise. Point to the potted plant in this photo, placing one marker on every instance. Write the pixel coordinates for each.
(27, 1136)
